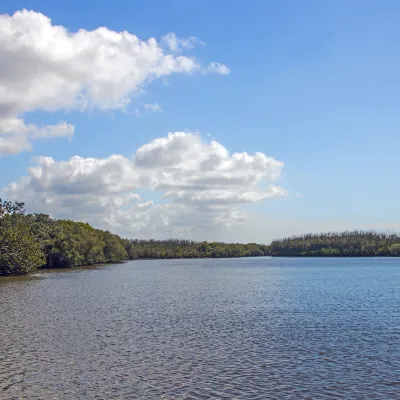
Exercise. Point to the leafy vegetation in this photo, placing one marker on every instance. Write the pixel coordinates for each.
(19, 251)
(147, 249)
(345, 244)
(31, 241)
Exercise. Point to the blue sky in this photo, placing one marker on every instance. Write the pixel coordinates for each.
(312, 84)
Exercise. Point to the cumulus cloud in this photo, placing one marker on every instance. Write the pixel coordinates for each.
(45, 67)
(200, 186)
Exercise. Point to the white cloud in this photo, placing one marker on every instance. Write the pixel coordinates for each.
(45, 67)
(176, 44)
(153, 107)
(16, 136)
(218, 68)
(202, 187)
(13, 144)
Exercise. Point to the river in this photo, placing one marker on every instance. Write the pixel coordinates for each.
(258, 328)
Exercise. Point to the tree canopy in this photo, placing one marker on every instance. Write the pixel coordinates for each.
(31, 241)
(344, 244)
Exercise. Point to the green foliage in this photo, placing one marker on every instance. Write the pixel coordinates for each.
(150, 249)
(20, 252)
(345, 244)
(11, 208)
(394, 250)
(114, 249)
(32, 241)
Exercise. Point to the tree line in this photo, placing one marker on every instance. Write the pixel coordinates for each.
(32, 241)
(343, 244)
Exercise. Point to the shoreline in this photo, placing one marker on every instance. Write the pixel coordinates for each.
(96, 266)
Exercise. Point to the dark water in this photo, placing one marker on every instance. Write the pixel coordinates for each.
(204, 329)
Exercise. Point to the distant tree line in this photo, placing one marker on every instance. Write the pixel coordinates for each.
(344, 244)
(32, 241)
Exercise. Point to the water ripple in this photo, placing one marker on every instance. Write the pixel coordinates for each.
(204, 329)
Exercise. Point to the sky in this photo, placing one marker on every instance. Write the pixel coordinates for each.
(210, 120)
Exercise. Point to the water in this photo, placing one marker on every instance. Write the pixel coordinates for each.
(204, 329)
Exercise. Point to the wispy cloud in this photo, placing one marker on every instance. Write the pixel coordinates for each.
(153, 107)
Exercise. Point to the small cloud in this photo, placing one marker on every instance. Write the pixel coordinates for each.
(218, 68)
(153, 107)
(299, 195)
(176, 44)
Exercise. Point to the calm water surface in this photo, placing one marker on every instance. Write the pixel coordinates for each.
(204, 329)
